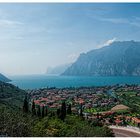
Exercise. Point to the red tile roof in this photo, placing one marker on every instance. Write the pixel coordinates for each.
(118, 121)
(44, 99)
(136, 120)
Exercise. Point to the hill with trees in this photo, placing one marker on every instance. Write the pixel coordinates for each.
(19, 118)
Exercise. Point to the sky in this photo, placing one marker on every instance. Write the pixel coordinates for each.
(36, 36)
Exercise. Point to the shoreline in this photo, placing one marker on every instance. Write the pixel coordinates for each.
(43, 81)
(79, 87)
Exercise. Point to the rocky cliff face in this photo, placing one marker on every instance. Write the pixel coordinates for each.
(117, 59)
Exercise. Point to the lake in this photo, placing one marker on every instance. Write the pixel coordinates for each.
(41, 81)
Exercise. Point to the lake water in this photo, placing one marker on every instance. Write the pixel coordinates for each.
(40, 81)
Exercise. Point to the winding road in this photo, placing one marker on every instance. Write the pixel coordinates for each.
(125, 132)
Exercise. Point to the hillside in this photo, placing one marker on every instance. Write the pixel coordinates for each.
(3, 78)
(15, 122)
(11, 96)
(117, 59)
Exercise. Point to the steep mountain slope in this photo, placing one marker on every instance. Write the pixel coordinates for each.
(3, 78)
(119, 58)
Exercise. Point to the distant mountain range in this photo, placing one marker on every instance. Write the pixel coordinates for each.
(116, 59)
(58, 69)
(3, 78)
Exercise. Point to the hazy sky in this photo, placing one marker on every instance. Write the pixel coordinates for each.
(36, 36)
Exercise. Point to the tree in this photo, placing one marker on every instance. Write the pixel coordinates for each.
(124, 121)
(81, 111)
(98, 116)
(38, 112)
(46, 111)
(69, 109)
(115, 100)
(25, 105)
(42, 111)
(33, 108)
(1, 87)
(58, 112)
(63, 111)
(95, 123)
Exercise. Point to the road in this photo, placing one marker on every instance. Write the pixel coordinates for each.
(125, 132)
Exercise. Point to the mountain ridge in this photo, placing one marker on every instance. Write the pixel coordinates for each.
(120, 58)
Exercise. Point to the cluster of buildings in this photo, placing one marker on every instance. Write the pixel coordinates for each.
(92, 99)
(87, 97)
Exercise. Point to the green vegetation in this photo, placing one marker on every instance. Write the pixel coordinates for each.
(17, 120)
(11, 96)
(130, 99)
(91, 110)
(25, 105)
(73, 126)
(69, 109)
(19, 124)
(63, 111)
(15, 123)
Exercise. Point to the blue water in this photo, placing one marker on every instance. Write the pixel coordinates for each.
(41, 81)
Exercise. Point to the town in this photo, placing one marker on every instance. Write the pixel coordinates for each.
(110, 105)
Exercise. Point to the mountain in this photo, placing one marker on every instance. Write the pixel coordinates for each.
(120, 58)
(58, 69)
(11, 96)
(3, 78)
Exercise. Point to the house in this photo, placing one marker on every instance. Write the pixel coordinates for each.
(106, 121)
(136, 121)
(118, 122)
(128, 118)
(94, 105)
(37, 102)
(91, 117)
(74, 110)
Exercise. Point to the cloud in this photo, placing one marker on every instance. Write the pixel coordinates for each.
(17, 30)
(73, 56)
(107, 43)
(133, 21)
(115, 20)
(9, 23)
(10, 29)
